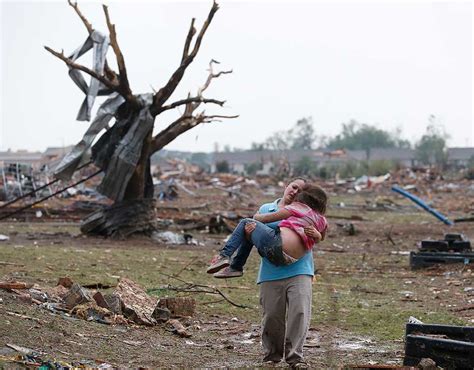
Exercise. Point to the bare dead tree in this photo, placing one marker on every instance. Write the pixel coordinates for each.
(123, 152)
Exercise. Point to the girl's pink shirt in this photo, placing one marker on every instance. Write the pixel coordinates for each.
(302, 216)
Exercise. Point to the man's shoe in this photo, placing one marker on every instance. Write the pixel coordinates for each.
(228, 272)
(218, 263)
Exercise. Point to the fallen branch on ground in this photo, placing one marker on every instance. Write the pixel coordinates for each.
(197, 288)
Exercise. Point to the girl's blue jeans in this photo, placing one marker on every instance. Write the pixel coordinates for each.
(266, 240)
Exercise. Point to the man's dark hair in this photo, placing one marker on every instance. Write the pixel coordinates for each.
(313, 196)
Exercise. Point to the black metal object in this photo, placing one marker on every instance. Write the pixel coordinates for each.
(462, 245)
(453, 237)
(451, 242)
(426, 259)
(445, 246)
(451, 347)
(464, 219)
(434, 245)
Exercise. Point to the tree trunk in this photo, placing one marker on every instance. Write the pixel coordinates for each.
(140, 185)
(136, 213)
(122, 219)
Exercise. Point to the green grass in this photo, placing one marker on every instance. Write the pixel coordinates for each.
(368, 299)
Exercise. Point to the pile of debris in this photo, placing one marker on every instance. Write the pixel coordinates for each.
(127, 304)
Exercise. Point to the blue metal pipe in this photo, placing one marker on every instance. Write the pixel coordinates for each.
(422, 204)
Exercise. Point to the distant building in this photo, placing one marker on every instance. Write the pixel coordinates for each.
(22, 157)
(56, 152)
(36, 160)
(267, 159)
(270, 159)
(52, 156)
(404, 157)
(459, 157)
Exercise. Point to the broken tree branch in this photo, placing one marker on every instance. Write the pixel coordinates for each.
(165, 92)
(111, 75)
(185, 266)
(206, 24)
(196, 99)
(211, 76)
(84, 69)
(213, 117)
(123, 79)
(189, 37)
(199, 288)
(187, 121)
(3, 263)
(181, 125)
(389, 236)
(25, 317)
(84, 20)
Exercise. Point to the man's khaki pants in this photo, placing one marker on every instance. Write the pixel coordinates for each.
(286, 305)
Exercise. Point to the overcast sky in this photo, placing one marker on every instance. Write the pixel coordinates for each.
(385, 64)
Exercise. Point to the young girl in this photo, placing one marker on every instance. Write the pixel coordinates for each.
(288, 242)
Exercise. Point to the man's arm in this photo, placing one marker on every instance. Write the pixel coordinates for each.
(272, 217)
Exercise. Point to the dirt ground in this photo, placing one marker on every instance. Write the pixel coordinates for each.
(363, 293)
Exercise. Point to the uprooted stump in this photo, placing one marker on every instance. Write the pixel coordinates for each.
(122, 219)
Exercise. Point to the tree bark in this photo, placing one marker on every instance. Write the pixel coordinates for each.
(122, 219)
(139, 185)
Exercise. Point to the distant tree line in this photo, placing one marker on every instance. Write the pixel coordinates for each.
(430, 149)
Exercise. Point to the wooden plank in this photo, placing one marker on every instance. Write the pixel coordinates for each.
(14, 285)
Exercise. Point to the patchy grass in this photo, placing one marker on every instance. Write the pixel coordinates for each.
(374, 295)
(39, 227)
(155, 269)
(355, 292)
(364, 290)
(362, 306)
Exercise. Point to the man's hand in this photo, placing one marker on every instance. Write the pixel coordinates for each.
(313, 233)
(249, 228)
